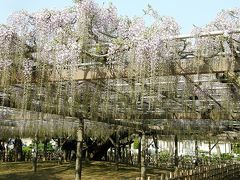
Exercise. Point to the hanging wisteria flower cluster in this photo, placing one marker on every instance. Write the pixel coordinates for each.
(60, 38)
(8, 44)
(227, 21)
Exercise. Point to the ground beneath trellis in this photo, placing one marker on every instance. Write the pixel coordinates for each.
(51, 170)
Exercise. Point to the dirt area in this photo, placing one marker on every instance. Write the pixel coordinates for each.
(51, 170)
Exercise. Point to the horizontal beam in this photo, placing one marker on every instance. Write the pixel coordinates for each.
(188, 67)
(208, 34)
(156, 126)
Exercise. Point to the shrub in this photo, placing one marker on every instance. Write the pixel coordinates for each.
(215, 159)
(226, 156)
(164, 156)
(136, 143)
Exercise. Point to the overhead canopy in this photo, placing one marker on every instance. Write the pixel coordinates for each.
(87, 61)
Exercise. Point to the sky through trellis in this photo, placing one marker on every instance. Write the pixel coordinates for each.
(186, 12)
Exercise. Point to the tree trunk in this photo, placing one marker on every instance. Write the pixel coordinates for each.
(87, 156)
(99, 151)
(122, 150)
(18, 149)
(65, 155)
(78, 169)
(176, 151)
(143, 157)
(111, 154)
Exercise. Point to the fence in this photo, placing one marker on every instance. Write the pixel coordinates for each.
(10, 156)
(217, 172)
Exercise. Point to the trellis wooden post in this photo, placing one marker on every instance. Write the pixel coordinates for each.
(196, 152)
(35, 154)
(116, 151)
(143, 156)
(130, 160)
(156, 150)
(139, 150)
(176, 151)
(80, 132)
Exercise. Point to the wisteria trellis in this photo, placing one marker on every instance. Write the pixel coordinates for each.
(36, 48)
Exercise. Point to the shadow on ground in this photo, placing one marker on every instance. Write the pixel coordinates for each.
(52, 171)
(45, 171)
